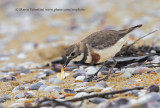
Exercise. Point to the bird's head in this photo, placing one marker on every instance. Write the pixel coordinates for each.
(73, 53)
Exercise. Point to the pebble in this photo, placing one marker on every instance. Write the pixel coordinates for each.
(55, 80)
(107, 89)
(105, 105)
(49, 72)
(6, 97)
(42, 87)
(20, 95)
(69, 92)
(52, 38)
(98, 100)
(40, 75)
(16, 89)
(122, 101)
(153, 97)
(94, 89)
(80, 78)
(80, 89)
(91, 70)
(81, 94)
(79, 73)
(141, 70)
(127, 73)
(153, 88)
(15, 104)
(54, 94)
(29, 94)
(2, 100)
(50, 88)
(35, 86)
(101, 84)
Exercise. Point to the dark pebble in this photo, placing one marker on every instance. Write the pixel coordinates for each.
(157, 49)
(28, 95)
(69, 91)
(98, 100)
(153, 88)
(49, 72)
(57, 67)
(2, 100)
(122, 101)
(35, 86)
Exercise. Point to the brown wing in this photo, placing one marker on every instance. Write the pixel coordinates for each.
(102, 39)
(106, 38)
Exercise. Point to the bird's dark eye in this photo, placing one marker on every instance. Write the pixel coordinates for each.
(73, 54)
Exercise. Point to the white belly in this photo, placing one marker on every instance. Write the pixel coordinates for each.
(110, 52)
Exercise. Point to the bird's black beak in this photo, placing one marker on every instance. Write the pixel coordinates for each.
(66, 62)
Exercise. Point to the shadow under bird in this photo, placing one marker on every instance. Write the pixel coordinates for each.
(97, 47)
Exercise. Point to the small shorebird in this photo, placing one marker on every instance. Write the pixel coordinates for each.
(97, 47)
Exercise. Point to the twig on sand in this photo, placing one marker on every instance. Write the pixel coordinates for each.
(102, 94)
(56, 102)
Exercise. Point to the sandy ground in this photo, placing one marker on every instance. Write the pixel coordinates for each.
(45, 55)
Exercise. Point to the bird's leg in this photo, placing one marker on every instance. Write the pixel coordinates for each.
(91, 77)
(107, 76)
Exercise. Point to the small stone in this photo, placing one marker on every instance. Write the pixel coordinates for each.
(154, 96)
(21, 87)
(69, 92)
(122, 101)
(6, 97)
(57, 67)
(80, 78)
(35, 86)
(105, 105)
(40, 75)
(54, 94)
(51, 88)
(141, 70)
(49, 72)
(2, 100)
(79, 73)
(81, 94)
(15, 104)
(52, 38)
(20, 95)
(91, 70)
(98, 100)
(153, 88)
(102, 84)
(29, 94)
(94, 89)
(81, 89)
(42, 87)
(55, 80)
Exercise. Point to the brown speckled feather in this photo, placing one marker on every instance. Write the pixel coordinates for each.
(106, 38)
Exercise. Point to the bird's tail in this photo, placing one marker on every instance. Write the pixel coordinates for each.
(132, 28)
(123, 32)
